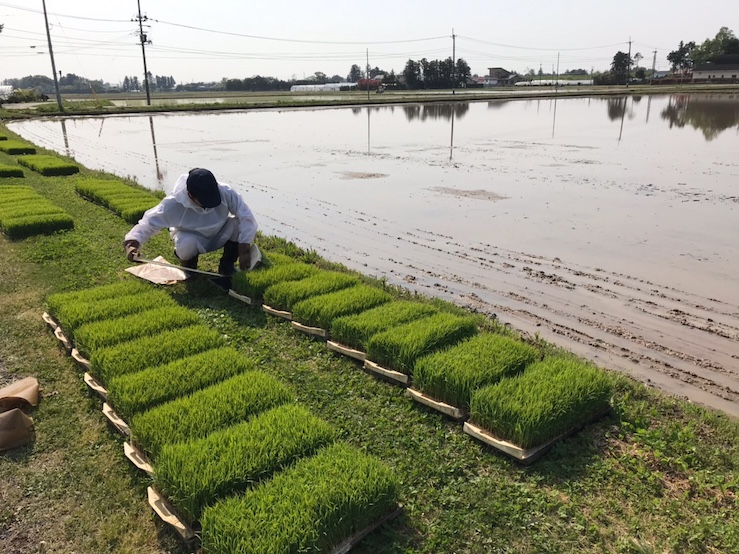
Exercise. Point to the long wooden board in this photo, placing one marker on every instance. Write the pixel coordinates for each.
(346, 351)
(279, 313)
(523, 455)
(245, 299)
(351, 542)
(167, 514)
(62, 338)
(443, 407)
(96, 387)
(116, 421)
(314, 331)
(394, 376)
(49, 321)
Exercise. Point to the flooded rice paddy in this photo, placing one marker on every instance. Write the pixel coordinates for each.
(606, 225)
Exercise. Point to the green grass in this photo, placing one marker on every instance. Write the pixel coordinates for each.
(310, 507)
(154, 350)
(128, 202)
(205, 411)
(10, 171)
(195, 474)
(254, 283)
(322, 310)
(137, 392)
(356, 330)
(548, 399)
(16, 147)
(101, 334)
(71, 315)
(48, 166)
(453, 374)
(283, 296)
(399, 348)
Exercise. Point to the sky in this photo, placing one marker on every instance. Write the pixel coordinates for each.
(196, 41)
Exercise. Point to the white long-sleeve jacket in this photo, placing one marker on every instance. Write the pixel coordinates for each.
(178, 212)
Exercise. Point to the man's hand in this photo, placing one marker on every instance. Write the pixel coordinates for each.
(244, 256)
(132, 249)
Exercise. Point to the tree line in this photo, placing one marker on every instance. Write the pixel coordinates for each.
(721, 49)
(156, 83)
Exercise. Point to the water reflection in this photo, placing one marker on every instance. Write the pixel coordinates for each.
(66, 140)
(160, 176)
(711, 114)
(436, 111)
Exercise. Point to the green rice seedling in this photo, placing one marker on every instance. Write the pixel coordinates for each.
(320, 311)
(137, 392)
(195, 474)
(550, 398)
(310, 507)
(399, 348)
(24, 209)
(102, 334)
(49, 165)
(208, 410)
(128, 202)
(56, 302)
(30, 225)
(71, 315)
(283, 296)
(155, 350)
(133, 214)
(10, 171)
(270, 259)
(16, 147)
(254, 283)
(3, 137)
(452, 374)
(356, 330)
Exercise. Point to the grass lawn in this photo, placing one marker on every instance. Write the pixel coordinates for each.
(657, 475)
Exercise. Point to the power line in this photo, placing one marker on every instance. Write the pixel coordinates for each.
(63, 15)
(541, 49)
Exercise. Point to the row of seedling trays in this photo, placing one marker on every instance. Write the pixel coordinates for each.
(24, 212)
(48, 166)
(234, 460)
(507, 395)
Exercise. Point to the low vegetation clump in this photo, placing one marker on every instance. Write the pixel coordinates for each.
(137, 392)
(24, 213)
(270, 259)
(355, 330)
(399, 348)
(72, 315)
(102, 334)
(16, 147)
(3, 137)
(205, 411)
(7, 171)
(49, 166)
(128, 202)
(283, 296)
(156, 350)
(550, 398)
(310, 507)
(254, 283)
(320, 311)
(56, 302)
(452, 374)
(195, 474)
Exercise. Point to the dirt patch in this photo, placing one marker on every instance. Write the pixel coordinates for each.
(477, 194)
(361, 175)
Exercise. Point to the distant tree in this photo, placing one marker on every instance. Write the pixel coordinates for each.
(126, 85)
(135, 83)
(462, 71)
(390, 78)
(531, 73)
(355, 73)
(620, 67)
(412, 74)
(319, 77)
(638, 58)
(540, 72)
(640, 73)
(711, 49)
(681, 58)
(336, 79)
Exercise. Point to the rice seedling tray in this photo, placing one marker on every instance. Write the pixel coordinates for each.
(346, 351)
(314, 331)
(137, 458)
(167, 514)
(279, 313)
(120, 425)
(96, 387)
(62, 338)
(446, 409)
(77, 357)
(525, 455)
(351, 542)
(395, 377)
(49, 321)
(240, 297)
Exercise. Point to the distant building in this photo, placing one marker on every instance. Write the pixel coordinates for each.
(716, 72)
(498, 77)
(322, 88)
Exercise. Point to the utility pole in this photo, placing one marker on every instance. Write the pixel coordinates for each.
(144, 40)
(454, 60)
(628, 69)
(654, 64)
(53, 65)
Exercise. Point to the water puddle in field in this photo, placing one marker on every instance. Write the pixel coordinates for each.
(606, 225)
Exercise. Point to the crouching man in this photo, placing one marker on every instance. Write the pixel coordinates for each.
(202, 216)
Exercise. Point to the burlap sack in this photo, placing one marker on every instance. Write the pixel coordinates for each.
(21, 394)
(16, 429)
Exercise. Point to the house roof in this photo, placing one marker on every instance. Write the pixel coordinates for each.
(717, 67)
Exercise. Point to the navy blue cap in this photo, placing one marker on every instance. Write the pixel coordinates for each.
(202, 185)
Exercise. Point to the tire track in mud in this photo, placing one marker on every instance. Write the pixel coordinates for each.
(680, 342)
